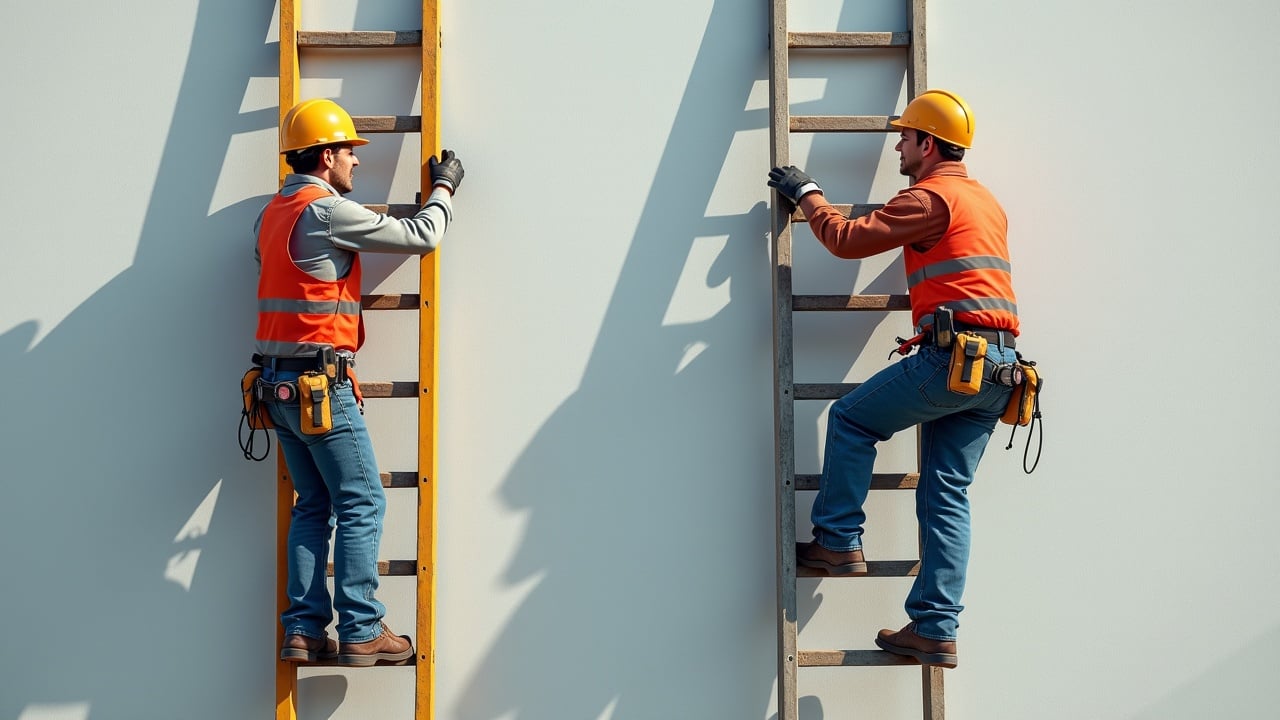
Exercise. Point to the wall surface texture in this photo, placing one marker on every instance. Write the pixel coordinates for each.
(606, 517)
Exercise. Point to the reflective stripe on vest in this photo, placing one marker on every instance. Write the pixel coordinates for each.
(946, 267)
(968, 270)
(297, 313)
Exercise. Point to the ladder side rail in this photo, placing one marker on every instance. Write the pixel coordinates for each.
(286, 672)
(428, 378)
(916, 65)
(784, 404)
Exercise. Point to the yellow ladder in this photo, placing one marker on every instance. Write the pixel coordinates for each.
(785, 303)
(423, 479)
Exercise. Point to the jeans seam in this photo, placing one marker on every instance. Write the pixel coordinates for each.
(377, 522)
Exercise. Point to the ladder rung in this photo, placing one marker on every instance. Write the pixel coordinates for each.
(394, 389)
(803, 303)
(820, 391)
(879, 481)
(388, 123)
(851, 658)
(838, 123)
(849, 211)
(875, 568)
(359, 38)
(836, 40)
(389, 567)
(399, 479)
(407, 301)
(397, 210)
(411, 660)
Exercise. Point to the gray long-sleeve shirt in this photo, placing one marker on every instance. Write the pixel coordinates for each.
(332, 229)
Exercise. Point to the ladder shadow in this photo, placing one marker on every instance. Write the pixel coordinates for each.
(615, 484)
(129, 514)
(617, 574)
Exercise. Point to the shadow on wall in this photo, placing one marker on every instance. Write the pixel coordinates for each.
(131, 524)
(1230, 689)
(637, 611)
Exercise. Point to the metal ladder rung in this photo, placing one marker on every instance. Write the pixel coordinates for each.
(848, 658)
(846, 40)
(879, 481)
(819, 391)
(841, 123)
(359, 38)
(835, 303)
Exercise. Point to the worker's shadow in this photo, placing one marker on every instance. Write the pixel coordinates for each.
(634, 608)
(136, 537)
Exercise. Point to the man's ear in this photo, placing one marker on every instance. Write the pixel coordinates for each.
(928, 146)
(326, 158)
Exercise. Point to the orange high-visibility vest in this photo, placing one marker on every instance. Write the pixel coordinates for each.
(298, 314)
(968, 270)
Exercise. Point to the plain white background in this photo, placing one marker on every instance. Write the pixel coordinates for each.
(606, 517)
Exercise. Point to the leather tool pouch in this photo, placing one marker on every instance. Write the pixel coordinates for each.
(313, 397)
(968, 364)
(254, 410)
(1022, 401)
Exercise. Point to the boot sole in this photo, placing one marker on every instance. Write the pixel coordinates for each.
(350, 660)
(299, 656)
(945, 660)
(835, 569)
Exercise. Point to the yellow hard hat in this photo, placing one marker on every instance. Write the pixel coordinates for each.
(942, 114)
(317, 122)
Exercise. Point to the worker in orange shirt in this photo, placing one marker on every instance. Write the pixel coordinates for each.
(952, 233)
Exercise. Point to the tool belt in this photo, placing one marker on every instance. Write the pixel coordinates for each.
(310, 391)
(337, 367)
(992, 336)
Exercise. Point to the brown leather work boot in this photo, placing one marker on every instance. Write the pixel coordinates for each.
(300, 648)
(927, 650)
(387, 647)
(813, 555)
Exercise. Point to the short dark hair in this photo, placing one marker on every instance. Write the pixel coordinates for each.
(304, 160)
(948, 150)
(308, 159)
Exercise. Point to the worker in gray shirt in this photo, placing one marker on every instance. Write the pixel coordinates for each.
(309, 240)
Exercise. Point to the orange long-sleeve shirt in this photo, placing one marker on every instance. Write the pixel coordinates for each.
(914, 216)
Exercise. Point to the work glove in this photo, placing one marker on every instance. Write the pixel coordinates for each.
(792, 183)
(446, 172)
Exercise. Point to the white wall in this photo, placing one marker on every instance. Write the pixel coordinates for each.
(605, 481)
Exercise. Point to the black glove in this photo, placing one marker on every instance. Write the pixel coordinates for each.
(446, 172)
(791, 183)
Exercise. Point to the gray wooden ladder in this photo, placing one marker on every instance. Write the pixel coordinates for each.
(785, 303)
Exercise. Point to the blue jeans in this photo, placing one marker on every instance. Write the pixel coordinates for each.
(954, 430)
(337, 482)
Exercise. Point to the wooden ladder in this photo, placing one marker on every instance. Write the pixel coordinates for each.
(785, 303)
(425, 302)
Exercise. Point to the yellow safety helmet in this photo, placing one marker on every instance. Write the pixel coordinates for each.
(942, 114)
(317, 122)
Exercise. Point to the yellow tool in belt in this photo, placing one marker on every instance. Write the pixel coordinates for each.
(313, 397)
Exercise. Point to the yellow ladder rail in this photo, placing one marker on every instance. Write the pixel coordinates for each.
(426, 302)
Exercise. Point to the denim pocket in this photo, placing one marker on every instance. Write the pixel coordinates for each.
(934, 389)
